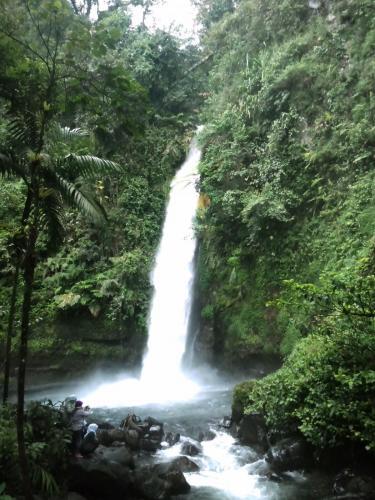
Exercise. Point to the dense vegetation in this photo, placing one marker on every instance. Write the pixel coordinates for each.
(95, 116)
(131, 94)
(287, 236)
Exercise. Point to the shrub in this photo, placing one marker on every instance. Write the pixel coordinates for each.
(47, 440)
(326, 390)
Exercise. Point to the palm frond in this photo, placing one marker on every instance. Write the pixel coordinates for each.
(88, 166)
(52, 218)
(23, 132)
(10, 168)
(66, 134)
(76, 197)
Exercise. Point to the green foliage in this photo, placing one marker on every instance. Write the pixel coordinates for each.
(286, 167)
(2, 495)
(287, 252)
(325, 390)
(241, 395)
(123, 93)
(47, 441)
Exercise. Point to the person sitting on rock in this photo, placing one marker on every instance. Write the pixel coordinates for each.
(90, 442)
(77, 425)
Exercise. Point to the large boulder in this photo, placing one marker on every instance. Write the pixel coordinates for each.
(132, 439)
(97, 478)
(207, 435)
(252, 431)
(172, 474)
(185, 464)
(172, 438)
(161, 481)
(191, 448)
(108, 436)
(119, 454)
(148, 444)
(289, 454)
(145, 435)
(152, 436)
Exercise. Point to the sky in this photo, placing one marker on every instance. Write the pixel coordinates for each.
(172, 12)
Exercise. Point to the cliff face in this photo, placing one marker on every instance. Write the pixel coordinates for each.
(287, 168)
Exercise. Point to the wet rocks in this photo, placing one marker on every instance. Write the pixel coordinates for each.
(160, 481)
(144, 435)
(105, 426)
(152, 435)
(172, 438)
(226, 422)
(252, 431)
(100, 478)
(191, 448)
(185, 464)
(348, 484)
(208, 435)
(107, 437)
(289, 454)
(132, 439)
(121, 455)
(137, 434)
(110, 471)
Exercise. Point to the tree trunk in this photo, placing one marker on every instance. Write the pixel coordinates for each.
(8, 347)
(29, 272)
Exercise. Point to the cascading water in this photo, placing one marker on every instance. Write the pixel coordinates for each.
(173, 280)
(162, 378)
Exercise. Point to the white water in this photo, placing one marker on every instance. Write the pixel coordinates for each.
(225, 470)
(173, 279)
(162, 378)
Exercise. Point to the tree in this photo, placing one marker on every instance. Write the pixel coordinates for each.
(83, 7)
(41, 31)
(211, 11)
(49, 184)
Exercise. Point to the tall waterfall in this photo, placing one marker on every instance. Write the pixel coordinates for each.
(172, 279)
(162, 378)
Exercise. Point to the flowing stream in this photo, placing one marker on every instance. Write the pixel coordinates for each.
(187, 404)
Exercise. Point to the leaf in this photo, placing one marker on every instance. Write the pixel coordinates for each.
(88, 166)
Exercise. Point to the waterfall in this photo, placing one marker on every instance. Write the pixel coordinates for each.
(162, 378)
(172, 279)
